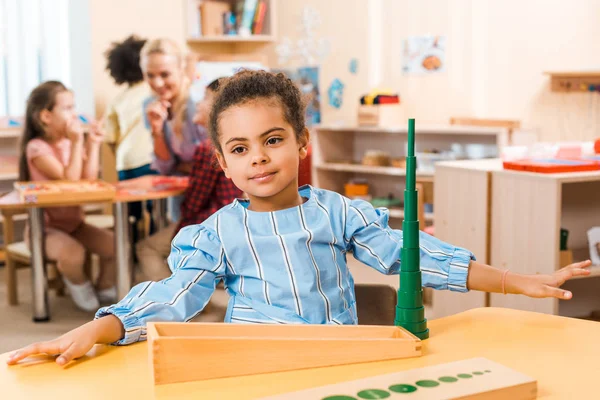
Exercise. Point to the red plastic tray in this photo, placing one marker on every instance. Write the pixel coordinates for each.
(552, 166)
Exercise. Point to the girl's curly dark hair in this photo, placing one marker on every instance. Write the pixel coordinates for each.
(123, 60)
(248, 85)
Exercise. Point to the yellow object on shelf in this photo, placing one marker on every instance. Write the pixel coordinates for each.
(377, 158)
(352, 189)
(370, 98)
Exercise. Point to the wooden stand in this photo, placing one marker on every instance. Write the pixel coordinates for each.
(476, 378)
(181, 352)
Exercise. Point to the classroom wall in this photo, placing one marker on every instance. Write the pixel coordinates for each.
(81, 56)
(114, 20)
(343, 25)
(496, 57)
(497, 53)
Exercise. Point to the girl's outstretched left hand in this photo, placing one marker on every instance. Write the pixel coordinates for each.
(540, 286)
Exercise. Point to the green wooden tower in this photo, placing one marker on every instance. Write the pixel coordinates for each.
(410, 313)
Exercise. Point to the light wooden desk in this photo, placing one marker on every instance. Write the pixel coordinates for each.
(138, 189)
(561, 353)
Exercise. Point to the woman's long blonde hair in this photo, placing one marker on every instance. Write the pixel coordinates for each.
(168, 47)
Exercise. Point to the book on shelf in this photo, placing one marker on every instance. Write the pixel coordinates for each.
(247, 20)
(220, 18)
(211, 17)
(259, 17)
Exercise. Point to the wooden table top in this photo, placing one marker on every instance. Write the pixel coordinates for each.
(138, 189)
(561, 353)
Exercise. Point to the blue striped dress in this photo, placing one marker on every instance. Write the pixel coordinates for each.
(286, 266)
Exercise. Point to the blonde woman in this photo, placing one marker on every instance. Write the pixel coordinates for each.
(169, 112)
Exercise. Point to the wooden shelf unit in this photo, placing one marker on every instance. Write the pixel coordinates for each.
(331, 143)
(399, 213)
(338, 149)
(528, 211)
(11, 132)
(225, 42)
(232, 39)
(574, 81)
(514, 223)
(367, 169)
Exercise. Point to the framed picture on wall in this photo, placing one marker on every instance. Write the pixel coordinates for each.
(307, 80)
(424, 55)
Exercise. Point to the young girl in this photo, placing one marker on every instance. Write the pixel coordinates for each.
(282, 252)
(53, 148)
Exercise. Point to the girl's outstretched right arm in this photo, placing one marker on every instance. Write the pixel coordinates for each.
(75, 343)
(198, 263)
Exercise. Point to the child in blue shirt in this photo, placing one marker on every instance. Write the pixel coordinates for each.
(281, 252)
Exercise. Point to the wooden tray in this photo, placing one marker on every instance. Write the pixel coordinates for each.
(552, 166)
(181, 352)
(49, 192)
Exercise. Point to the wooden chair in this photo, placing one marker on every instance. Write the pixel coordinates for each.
(509, 124)
(18, 255)
(375, 304)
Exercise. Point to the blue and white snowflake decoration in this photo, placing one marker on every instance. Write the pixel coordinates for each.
(353, 66)
(309, 49)
(336, 93)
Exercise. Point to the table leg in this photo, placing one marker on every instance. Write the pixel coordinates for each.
(122, 249)
(159, 208)
(39, 279)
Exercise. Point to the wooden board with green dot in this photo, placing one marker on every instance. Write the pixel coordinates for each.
(475, 378)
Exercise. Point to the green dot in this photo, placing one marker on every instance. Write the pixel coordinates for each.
(403, 388)
(373, 394)
(464, 376)
(477, 373)
(448, 379)
(337, 397)
(427, 383)
(488, 371)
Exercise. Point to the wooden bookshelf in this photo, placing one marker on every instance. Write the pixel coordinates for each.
(366, 169)
(11, 132)
(338, 150)
(574, 81)
(514, 223)
(399, 213)
(228, 43)
(336, 154)
(232, 39)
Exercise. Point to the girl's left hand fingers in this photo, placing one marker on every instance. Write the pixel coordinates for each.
(558, 293)
(566, 274)
(580, 272)
(582, 264)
